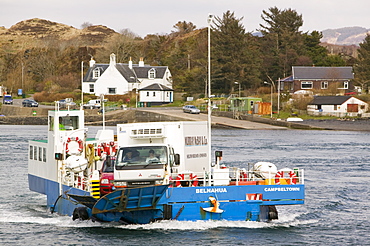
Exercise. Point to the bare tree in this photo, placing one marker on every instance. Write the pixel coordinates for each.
(86, 24)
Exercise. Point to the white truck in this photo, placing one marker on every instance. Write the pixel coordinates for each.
(156, 153)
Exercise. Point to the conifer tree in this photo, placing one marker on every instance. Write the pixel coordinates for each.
(234, 54)
(362, 68)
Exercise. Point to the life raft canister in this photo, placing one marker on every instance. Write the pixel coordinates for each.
(107, 149)
(243, 175)
(182, 182)
(280, 175)
(79, 141)
(113, 148)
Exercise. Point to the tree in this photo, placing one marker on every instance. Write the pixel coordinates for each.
(234, 54)
(282, 43)
(86, 24)
(184, 27)
(281, 21)
(313, 49)
(123, 45)
(362, 68)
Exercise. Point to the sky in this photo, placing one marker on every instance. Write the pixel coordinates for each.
(145, 17)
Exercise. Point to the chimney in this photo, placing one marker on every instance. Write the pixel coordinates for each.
(92, 62)
(130, 63)
(141, 62)
(112, 60)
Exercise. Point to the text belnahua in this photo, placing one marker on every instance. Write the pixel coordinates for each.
(211, 190)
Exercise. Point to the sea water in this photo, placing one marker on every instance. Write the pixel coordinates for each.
(336, 209)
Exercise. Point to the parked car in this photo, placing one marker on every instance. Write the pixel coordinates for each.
(64, 103)
(30, 103)
(95, 103)
(8, 99)
(190, 109)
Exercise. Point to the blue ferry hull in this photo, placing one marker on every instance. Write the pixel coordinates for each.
(235, 202)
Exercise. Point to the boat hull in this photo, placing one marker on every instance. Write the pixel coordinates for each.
(233, 203)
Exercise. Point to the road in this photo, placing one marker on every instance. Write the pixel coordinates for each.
(216, 120)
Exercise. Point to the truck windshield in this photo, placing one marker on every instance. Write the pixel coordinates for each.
(141, 157)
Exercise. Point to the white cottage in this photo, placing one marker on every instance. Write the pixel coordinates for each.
(119, 78)
(339, 106)
(155, 94)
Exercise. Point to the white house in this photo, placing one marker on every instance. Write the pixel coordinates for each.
(339, 106)
(119, 78)
(156, 94)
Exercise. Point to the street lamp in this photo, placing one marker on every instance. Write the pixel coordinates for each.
(265, 82)
(209, 20)
(239, 86)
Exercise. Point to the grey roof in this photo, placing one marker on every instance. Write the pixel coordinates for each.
(329, 100)
(131, 75)
(89, 75)
(320, 73)
(156, 87)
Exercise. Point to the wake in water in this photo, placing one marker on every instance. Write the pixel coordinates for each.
(36, 214)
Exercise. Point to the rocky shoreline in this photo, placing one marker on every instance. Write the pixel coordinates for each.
(340, 125)
(113, 118)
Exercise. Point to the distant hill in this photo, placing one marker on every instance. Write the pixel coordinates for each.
(345, 35)
(32, 29)
(29, 31)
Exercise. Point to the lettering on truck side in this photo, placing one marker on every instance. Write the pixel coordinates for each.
(198, 155)
(196, 141)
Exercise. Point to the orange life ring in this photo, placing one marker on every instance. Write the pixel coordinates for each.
(280, 174)
(193, 180)
(79, 141)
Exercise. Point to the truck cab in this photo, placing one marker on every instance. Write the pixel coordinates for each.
(107, 175)
(158, 153)
(143, 165)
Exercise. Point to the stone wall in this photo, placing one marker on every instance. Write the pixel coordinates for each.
(91, 117)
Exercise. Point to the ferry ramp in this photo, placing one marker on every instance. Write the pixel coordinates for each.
(216, 120)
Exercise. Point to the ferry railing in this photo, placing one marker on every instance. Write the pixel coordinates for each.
(236, 176)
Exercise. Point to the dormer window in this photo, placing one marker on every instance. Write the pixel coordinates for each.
(151, 73)
(96, 73)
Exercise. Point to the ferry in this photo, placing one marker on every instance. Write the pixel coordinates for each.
(153, 171)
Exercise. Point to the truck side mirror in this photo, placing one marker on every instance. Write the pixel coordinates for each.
(177, 159)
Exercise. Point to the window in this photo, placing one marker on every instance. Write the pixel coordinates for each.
(31, 152)
(345, 85)
(153, 93)
(44, 154)
(335, 107)
(147, 93)
(96, 73)
(35, 153)
(112, 90)
(91, 88)
(151, 73)
(40, 154)
(67, 123)
(324, 85)
(306, 85)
